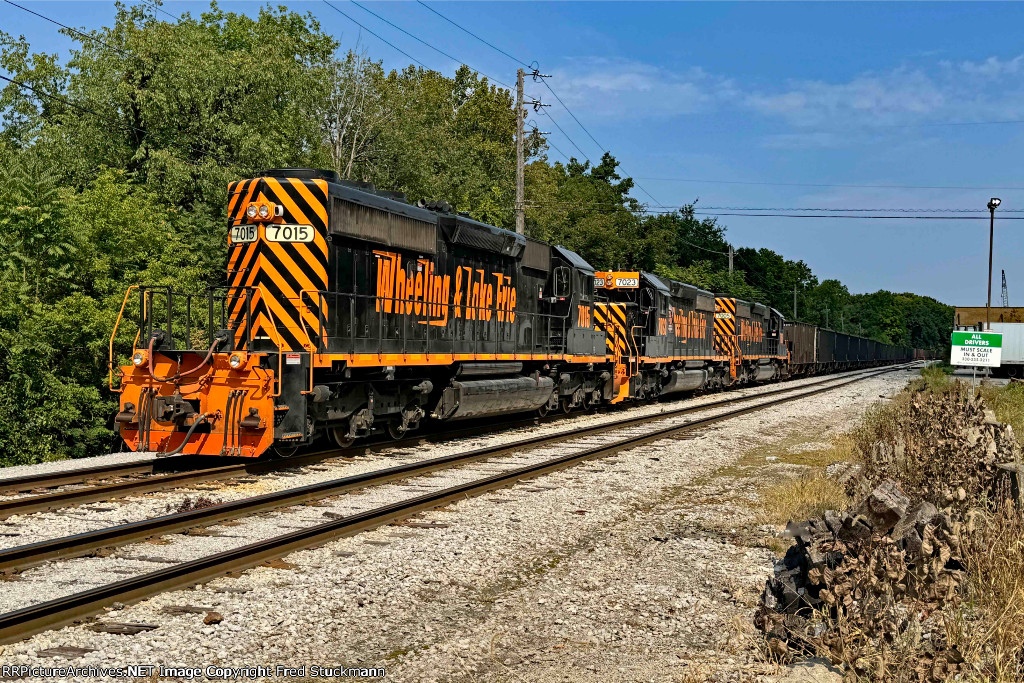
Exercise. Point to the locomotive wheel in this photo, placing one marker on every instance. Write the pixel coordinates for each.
(566, 406)
(285, 451)
(397, 429)
(542, 411)
(340, 436)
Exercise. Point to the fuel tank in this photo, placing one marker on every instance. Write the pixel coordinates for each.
(478, 398)
(684, 380)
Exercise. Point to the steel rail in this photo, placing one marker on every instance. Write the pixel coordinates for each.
(22, 557)
(62, 478)
(207, 472)
(24, 622)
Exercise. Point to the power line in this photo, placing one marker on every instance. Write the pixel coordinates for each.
(68, 28)
(156, 5)
(456, 59)
(432, 47)
(853, 210)
(921, 218)
(378, 37)
(466, 30)
(710, 212)
(550, 89)
(781, 209)
(86, 110)
(80, 108)
(600, 146)
(562, 130)
(894, 187)
(555, 147)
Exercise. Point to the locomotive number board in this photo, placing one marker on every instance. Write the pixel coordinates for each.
(273, 232)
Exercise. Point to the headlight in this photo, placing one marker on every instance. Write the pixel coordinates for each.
(251, 211)
(264, 211)
(139, 358)
(235, 361)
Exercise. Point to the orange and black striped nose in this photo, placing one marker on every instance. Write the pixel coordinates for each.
(725, 325)
(612, 319)
(283, 266)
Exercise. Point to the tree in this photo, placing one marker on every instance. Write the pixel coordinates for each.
(587, 209)
(356, 115)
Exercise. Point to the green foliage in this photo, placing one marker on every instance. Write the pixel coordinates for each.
(134, 192)
(587, 210)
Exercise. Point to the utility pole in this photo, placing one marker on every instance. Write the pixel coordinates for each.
(826, 316)
(730, 259)
(520, 146)
(520, 178)
(992, 204)
(794, 301)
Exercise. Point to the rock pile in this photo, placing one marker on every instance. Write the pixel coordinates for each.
(943, 447)
(870, 575)
(867, 587)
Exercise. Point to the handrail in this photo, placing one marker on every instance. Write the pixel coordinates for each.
(277, 342)
(321, 304)
(117, 323)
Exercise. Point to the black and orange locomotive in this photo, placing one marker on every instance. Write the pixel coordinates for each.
(348, 312)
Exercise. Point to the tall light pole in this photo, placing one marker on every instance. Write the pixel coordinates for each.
(992, 204)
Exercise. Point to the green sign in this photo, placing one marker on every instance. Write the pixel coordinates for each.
(992, 340)
(977, 349)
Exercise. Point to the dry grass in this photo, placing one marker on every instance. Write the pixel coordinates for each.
(842, 449)
(812, 493)
(1008, 404)
(990, 628)
(802, 498)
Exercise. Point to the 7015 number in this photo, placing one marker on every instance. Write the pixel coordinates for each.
(289, 233)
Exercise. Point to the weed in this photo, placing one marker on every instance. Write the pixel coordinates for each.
(189, 504)
(802, 498)
(1008, 404)
(990, 632)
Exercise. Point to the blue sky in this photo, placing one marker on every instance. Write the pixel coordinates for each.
(799, 94)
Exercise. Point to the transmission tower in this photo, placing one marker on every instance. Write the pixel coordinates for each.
(1006, 295)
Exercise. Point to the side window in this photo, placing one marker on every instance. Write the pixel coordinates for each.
(561, 282)
(345, 261)
(647, 298)
(581, 285)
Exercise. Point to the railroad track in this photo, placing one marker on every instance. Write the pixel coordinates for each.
(164, 474)
(33, 619)
(48, 480)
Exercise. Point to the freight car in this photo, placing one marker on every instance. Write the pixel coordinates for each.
(815, 350)
(349, 312)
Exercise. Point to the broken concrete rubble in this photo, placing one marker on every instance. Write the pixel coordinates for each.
(860, 585)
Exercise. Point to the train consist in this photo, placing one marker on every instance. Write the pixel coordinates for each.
(349, 312)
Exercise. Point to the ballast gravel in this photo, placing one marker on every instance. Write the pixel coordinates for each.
(20, 530)
(618, 569)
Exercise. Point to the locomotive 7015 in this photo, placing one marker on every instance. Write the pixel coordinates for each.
(347, 312)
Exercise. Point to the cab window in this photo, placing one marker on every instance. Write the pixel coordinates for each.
(561, 282)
